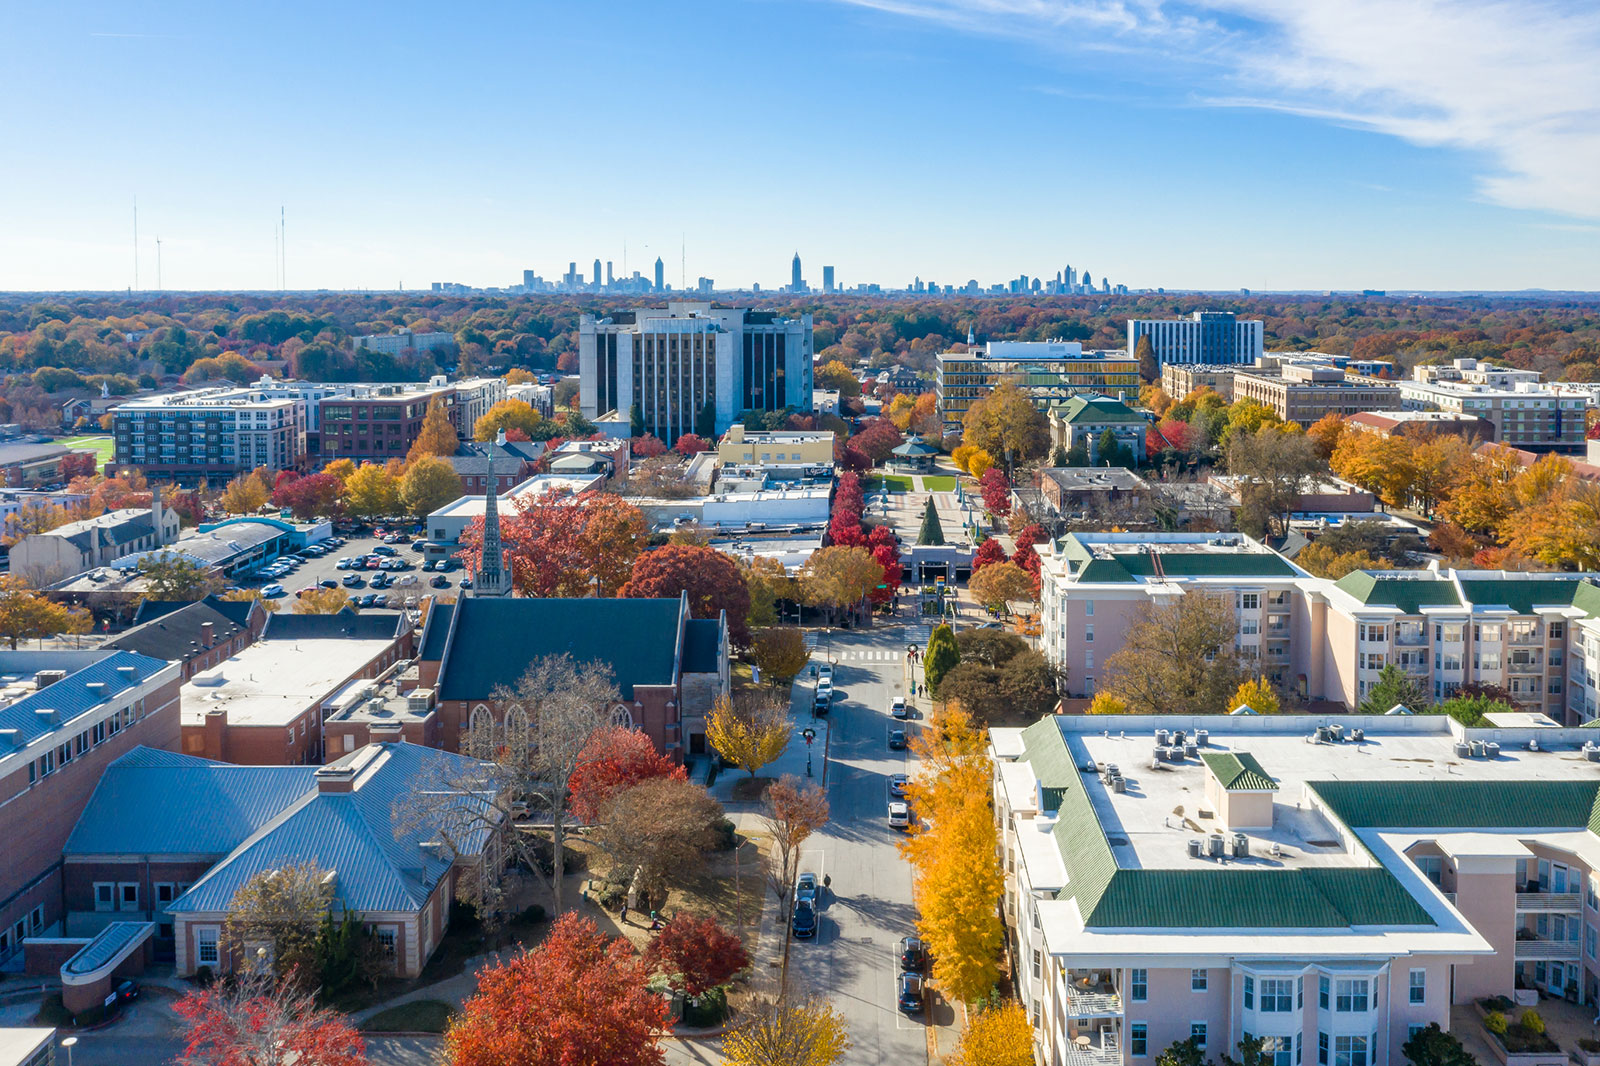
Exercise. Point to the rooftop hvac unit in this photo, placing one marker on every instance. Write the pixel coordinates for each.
(1161, 738)
(1592, 754)
(1216, 846)
(1119, 784)
(1491, 749)
(1463, 749)
(1241, 845)
(1202, 738)
(1190, 750)
(1195, 848)
(1178, 736)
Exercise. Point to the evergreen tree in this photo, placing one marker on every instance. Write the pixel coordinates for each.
(943, 655)
(1059, 457)
(705, 426)
(635, 421)
(1078, 454)
(932, 532)
(1394, 686)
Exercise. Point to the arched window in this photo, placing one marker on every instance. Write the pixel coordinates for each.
(518, 736)
(620, 715)
(480, 733)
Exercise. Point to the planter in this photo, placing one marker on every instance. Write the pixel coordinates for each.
(1584, 1058)
(1553, 1057)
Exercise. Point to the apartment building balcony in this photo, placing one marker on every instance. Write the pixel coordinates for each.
(1090, 995)
(1549, 902)
(1535, 949)
(1097, 1048)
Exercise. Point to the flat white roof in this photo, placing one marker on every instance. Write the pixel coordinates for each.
(1149, 825)
(19, 1045)
(470, 507)
(273, 682)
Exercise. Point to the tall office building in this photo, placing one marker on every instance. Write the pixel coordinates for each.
(609, 276)
(796, 283)
(677, 362)
(827, 279)
(661, 275)
(1206, 337)
(527, 279)
(597, 273)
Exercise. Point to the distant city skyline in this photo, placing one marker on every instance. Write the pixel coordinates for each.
(1217, 145)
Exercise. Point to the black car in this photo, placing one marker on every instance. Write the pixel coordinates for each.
(910, 986)
(440, 582)
(913, 954)
(805, 919)
(127, 991)
(823, 704)
(897, 740)
(328, 583)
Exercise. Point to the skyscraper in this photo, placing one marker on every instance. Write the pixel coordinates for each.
(1205, 337)
(527, 279)
(661, 275)
(597, 273)
(609, 275)
(796, 284)
(827, 279)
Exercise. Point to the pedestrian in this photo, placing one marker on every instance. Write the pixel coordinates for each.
(655, 923)
(624, 918)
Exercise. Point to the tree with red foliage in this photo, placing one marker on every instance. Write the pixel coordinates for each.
(306, 497)
(648, 447)
(711, 579)
(1174, 434)
(77, 464)
(847, 456)
(886, 553)
(588, 1005)
(690, 444)
(257, 1021)
(696, 954)
(1026, 557)
(517, 433)
(996, 491)
(559, 543)
(877, 439)
(990, 551)
(844, 527)
(848, 496)
(615, 758)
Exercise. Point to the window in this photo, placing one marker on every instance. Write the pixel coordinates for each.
(128, 896)
(1197, 1033)
(1138, 1039)
(386, 939)
(1322, 1048)
(1037, 964)
(1322, 992)
(206, 947)
(1277, 995)
(36, 919)
(1277, 1050)
(1249, 601)
(1419, 985)
(1088, 608)
(1350, 996)
(105, 896)
(1088, 634)
(1249, 992)
(1590, 941)
(1432, 867)
(1034, 1014)
(1197, 980)
(1350, 1051)
(1299, 992)
(1138, 985)
(164, 892)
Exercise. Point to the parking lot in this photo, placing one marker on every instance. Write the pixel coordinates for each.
(326, 568)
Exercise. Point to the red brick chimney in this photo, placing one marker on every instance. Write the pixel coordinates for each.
(208, 634)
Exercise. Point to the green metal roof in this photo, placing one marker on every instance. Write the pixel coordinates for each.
(1408, 595)
(1096, 409)
(1207, 564)
(1239, 771)
(1461, 804)
(1521, 595)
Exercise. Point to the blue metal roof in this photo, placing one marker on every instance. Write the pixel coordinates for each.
(152, 802)
(109, 946)
(73, 697)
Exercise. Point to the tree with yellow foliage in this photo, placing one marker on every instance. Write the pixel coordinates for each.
(27, 615)
(978, 462)
(1323, 561)
(429, 483)
(807, 1032)
(1108, 703)
(254, 596)
(372, 492)
(518, 376)
(1436, 465)
(998, 1036)
(245, 494)
(961, 454)
(1257, 694)
(900, 411)
(752, 732)
(954, 851)
(1327, 431)
(437, 436)
(323, 601)
(1483, 497)
(341, 469)
(507, 414)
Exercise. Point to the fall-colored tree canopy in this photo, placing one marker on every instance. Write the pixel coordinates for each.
(592, 1005)
(711, 579)
(998, 1035)
(507, 415)
(437, 436)
(1006, 423)
(428, 484)
(260, 1021)
(781, 653)
(1000, 583)
(27, 615)
(751, 731)
(323, 601)
(373, 491)
(1177, 657)
(1257, 694)
(808, 1032)
(695, 954)
(614, 759)
(565, 545)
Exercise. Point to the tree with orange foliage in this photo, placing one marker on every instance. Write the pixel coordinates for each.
(614, 759)
(1327, 431)
(711, 579)
(258, 1021)
(591, 1006)
(565, 545)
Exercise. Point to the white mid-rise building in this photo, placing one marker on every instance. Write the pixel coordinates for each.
(1211, 337)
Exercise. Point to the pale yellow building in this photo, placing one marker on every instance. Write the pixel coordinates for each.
(751, 447)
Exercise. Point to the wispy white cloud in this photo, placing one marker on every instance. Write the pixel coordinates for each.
(1514, 81)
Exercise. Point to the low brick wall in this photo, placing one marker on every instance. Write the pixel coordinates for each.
(43, 957)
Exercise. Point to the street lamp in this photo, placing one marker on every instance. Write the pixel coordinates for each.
(69, 1043)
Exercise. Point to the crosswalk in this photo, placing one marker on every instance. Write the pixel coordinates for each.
(868, 655)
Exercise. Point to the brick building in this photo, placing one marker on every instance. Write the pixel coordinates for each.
(264, 706)
(170, 839)
(64, 716)
(196, 635)
(668, 666)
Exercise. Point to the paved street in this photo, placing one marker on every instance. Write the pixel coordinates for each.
(868, 908)
(109, 1048)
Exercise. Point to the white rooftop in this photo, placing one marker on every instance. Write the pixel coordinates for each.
(272, 682)
(1151, 824)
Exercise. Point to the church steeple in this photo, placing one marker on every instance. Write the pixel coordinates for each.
(491, 578)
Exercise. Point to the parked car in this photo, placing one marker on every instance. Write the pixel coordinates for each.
(805, 888)
(823, 704)
(897, 740)
(913, 954)
(345, 563)
(370, 599)
(899, 814)
(272, 592)
(440, 582)
(825, 688)
(127, 991)
(805, 919)
(384, 549)
(407, 581)
(328, 583)
(910, 997)
(897, 784)
(466, 582)
(825, 673)
(354, 581)
(898, 708)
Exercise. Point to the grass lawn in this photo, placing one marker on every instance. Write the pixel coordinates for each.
(99, 443)
(935, 483)
(891, 482)
(418, 1016)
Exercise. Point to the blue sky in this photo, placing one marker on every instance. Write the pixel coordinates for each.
(1268, 144)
